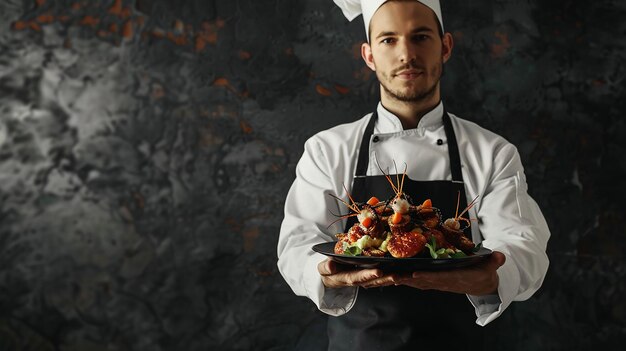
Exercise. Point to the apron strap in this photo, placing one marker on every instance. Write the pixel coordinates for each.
(453, 148)
(358, 187)
(364, 151)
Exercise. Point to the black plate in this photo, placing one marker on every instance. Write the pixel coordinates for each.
(402, 264)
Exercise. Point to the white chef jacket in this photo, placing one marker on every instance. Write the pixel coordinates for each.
(508, 219)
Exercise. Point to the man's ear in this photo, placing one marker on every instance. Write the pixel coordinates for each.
(447, 43)
(366, 54)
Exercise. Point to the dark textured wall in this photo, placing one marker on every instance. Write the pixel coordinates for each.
(146, 148)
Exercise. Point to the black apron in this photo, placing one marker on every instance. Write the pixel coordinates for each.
(400, 317)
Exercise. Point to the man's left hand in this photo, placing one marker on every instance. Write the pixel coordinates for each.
(477, 280)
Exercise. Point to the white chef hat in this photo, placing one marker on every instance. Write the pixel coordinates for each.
(352, 8)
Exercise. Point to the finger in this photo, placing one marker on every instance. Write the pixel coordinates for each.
(327, 267)
(496, 260)
(367, 275)
(428, 276)
(392, 279)
(415, 283)
(382, 281)
(499, 258)
(353, 278)
(377, 284)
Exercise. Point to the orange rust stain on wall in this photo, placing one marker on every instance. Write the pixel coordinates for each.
(249, 238)
(322, 91)
(498, 50)
(221, 82)
(207, 34)
(45, 18)
(34, 26)
(126, 12)
(244, 55)
(127, 30)
(182, 34)
(177, 39)
(157, 33)
(179, 25)
(245, 127)
(157, 91)
(89, 21)
(341, 89)
(199, 43)
(20, 25)
(116, 8)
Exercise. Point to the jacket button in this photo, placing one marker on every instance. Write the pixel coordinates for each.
(375, 139)
(439, 142)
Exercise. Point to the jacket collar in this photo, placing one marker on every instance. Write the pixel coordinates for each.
(390, 123)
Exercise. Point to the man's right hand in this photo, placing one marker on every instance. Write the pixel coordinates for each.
(338, 276)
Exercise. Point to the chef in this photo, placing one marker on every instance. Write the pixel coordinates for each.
(445, 156)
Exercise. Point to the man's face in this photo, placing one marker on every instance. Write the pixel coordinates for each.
(406, 51)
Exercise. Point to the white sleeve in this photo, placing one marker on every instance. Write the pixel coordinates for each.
(305, 224)
(511, 222)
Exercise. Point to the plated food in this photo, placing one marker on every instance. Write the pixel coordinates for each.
(400, 229)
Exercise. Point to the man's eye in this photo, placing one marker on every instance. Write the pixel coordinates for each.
(387, 41)
(420, 37)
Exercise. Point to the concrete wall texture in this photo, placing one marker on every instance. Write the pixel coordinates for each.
(146, 148)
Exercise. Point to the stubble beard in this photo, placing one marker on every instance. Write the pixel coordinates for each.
(412, 96)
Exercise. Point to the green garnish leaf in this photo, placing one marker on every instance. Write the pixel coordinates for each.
(352, 251)
(458, 254)
(441, 253)
(431, 249)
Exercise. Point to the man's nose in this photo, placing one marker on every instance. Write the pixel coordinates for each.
(407, 51)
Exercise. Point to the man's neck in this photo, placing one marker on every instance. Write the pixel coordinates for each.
(409, 113)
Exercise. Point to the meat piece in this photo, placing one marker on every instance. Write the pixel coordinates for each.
(355, 233)
(341, 238)
(429, 217)
(376, 230)
(407, 244)
(404, 226)
(440, 240)
(458, 239)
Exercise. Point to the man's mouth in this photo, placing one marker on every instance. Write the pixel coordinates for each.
(408, 74)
